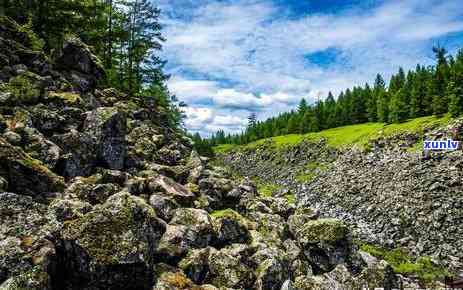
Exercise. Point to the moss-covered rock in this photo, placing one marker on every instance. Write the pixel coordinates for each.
(110, 96)
(229, 267)
(34, 279)
(323, 231)
(26, 253)
(79, 64)
(338, 278)
(64, 98)
(189, 229)
(40, 148)
(326, 243)
(231, 227)
(24, 89)
(79, 156)
(272, 227)
(271, 274)
(196, 264)
(61, 211)
(215, 188)
(113, 245)
(26, 175)
(164, 205)
(108, 127)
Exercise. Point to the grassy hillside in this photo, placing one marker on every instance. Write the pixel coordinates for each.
(347, 135)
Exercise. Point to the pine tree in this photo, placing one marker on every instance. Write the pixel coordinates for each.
(330, 109)
(293, 124)
(398, 111)
(439, 82)
(304, 124)
(358, 113)
(252, 120)
(456, 99)
(383, 106)
(382, 101)
(339, 110)
(418, 93)
(397, 82)
(371, 103)
(302, 108)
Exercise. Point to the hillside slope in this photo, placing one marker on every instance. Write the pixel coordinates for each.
(375, 177)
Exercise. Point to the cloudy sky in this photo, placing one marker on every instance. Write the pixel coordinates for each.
(229, 58)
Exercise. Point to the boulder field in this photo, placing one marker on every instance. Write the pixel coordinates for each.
(98, 192)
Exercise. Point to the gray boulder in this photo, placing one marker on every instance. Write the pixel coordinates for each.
(189, 229)
(108, 127)
(81, 67)
(111, 247)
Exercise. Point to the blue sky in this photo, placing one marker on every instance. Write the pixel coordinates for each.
(229, 58)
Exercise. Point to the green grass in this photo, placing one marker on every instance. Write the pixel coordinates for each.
(228, 212)
(224, 148)
(416, 125)
(344, 136)
(402, 263)
(291, 198)
(266, 189)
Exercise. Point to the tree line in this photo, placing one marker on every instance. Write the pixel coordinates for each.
(124, 34)
(424, 91)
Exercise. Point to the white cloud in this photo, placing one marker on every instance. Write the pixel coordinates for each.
(259, 52)
(207, 121)
(191, 91)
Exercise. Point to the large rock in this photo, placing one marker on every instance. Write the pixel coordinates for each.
(111, 247)
(38, 147)
(79, 155)
(27, 254)
(215, 188)
(82, 67)
(229, 267)
(271, 274)
(325, 243)
(231, 227)
(166, 185)
(108, 127)
(87, 189)
(272, 227)
(189, 229)
(164, 205)
(26, 175)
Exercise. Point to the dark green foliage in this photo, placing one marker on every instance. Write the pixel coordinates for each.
(302, 108)
(417, 93)
(202, 146)
(125, 35)
(439, 83)
(398, 111)
(455, 95)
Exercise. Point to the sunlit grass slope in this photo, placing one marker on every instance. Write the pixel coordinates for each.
(347, 135)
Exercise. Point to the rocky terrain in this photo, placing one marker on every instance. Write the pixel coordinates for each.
(97, 192)
(390, 195)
